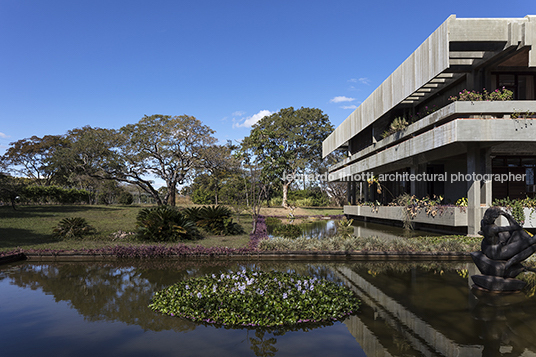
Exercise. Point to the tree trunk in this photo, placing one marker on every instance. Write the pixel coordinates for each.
(254, 224)
(285, 195)
(172, 195)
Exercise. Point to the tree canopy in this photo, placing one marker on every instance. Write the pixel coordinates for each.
(31, 157)
(168, 147)
(288, 143)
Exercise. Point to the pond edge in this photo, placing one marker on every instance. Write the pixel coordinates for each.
(289, 255)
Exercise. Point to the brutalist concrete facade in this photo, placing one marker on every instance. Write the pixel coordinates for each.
(471, 144)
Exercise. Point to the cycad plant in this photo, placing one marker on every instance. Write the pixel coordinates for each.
(214, 219)
(165, 224)
(72, 227)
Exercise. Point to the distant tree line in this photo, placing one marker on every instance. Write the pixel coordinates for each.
(97, 165)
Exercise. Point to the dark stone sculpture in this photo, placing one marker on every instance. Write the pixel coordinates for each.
(502, 251)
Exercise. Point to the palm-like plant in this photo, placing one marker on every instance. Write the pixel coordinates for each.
(165, 224)
(72, 227)
(214, 219)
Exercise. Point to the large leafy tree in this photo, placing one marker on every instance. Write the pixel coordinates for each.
(30, 157)
(287, 143)
(90, 156)
(168, 147)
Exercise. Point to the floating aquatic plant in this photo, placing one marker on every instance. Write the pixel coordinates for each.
(255, 298)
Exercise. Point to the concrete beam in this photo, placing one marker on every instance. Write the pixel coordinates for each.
(466, 54)
(461, 61)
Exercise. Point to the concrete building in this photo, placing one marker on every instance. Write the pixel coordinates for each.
(478, 150)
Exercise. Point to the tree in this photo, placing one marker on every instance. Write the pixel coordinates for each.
(219, 162)
(160, 146)
(167, 147)
(234, 190)
(11, 188)
(91, 157)
(287, 143)
(336, 191)
(256, 186)
(31, 157)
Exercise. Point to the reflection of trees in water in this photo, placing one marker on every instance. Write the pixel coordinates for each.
(121, 291)
(102, 292)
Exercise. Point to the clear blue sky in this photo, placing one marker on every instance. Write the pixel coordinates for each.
(69, 63)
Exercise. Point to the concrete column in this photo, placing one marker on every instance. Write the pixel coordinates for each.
(412, 184)
(352, 192)
(485, 169)
(473, 190)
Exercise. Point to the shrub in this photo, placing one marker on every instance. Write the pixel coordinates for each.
(304, 202)
(344, 226)
(61, 195)
(276, 201)
(515, 206)
(193, 213)
(202, 196)
(473, 96)
(215, 220)
(273, 221)
(287, 231)
(398, 124)
(165, 224)
(74, 227)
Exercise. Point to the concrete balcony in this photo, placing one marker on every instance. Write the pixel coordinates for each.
(458, 122)
(444, 216)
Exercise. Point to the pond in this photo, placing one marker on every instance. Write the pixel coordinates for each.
(319, 228)
(323, 228)
(408, 309)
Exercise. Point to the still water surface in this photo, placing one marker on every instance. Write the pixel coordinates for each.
(409, 309)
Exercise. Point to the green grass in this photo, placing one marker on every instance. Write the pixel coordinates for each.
(32, 227)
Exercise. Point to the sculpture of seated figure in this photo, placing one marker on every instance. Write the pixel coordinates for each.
(511, 243)
(503, 249)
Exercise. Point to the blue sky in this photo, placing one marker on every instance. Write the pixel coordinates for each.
(67, 64)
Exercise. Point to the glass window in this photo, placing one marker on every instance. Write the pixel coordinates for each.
(512, 161)
(498, 161)
(507, 80)
(529, 176)
(526, 87)
(528, 161)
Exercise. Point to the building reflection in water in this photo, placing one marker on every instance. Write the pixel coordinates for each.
(427, 309)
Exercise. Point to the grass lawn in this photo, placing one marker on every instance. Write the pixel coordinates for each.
(30, 227)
